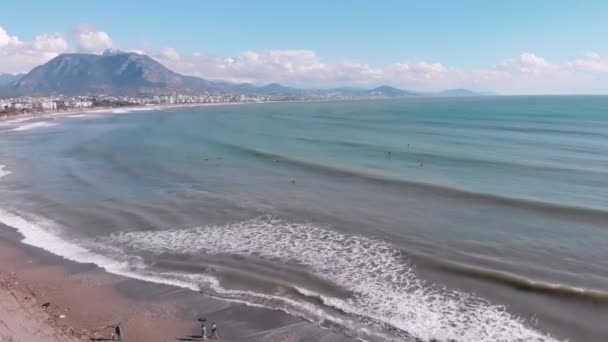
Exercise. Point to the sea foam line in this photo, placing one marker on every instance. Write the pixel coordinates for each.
(34, 125)
(4, 171)
(386, 291)
(35, 235)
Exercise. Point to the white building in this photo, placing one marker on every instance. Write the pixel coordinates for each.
(48, 105)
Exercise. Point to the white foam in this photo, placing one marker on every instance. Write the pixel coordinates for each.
(145, 108)
(16, 122)
(387, 293)
(292, 307)
(3, 171)
(35, 235)
(135, 109)
(34, 125)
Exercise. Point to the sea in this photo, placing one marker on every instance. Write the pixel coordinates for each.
(414, 219)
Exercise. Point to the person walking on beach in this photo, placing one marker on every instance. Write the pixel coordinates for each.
(204, 331)
(214, 334)
(119, 335)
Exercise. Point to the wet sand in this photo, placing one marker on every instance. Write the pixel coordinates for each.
(85, 302)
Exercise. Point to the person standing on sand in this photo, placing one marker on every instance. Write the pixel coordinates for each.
(214, 331)
(204, 331)
(118, 334)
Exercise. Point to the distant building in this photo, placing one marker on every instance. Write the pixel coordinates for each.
(48, 105)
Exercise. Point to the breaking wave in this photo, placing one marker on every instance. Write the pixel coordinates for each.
(42, 233)
(386, 298)
(524, 284)
(4, 171)
(34, 125)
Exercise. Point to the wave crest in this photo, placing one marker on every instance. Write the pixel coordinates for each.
(588, 214)
(34, 125)
(386, 294)
(4, 171)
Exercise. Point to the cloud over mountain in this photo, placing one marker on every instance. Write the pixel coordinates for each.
(92, 41)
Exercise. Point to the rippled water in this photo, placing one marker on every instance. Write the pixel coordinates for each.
(467, 219)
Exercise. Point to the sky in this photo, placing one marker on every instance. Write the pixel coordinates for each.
(510, 47)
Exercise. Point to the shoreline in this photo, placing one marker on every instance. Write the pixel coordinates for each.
(134, 108)
(42, 296)
(30, 270)
(31, 277)
(144, 108)
(110, 110)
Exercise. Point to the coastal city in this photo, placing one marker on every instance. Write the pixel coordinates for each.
(59, 103)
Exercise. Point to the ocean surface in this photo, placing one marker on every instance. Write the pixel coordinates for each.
(454, 219)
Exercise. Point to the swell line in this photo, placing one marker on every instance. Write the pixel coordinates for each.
(523, 283)
(586, 214)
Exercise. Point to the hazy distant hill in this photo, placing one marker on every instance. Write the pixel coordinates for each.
(280, 90)
(462, 92)
(386, 91)
(6, 79)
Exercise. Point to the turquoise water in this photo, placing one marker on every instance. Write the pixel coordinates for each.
(468, 219)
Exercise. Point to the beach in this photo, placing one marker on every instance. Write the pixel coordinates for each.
(85, 303)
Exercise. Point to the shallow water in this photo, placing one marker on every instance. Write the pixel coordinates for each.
(485, 222)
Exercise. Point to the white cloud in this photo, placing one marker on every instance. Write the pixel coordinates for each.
(92, 41)
(529, 63)
(525, 73)
(138, 51)
(591, 62)
(50, 42)
(170, 54)
(6, 40)
(20, 56)
(300, 68)
(419, 73)
(593, 55)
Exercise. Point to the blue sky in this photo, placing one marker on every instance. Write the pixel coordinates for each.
(463, 35)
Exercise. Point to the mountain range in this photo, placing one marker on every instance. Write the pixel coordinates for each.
(121, 73)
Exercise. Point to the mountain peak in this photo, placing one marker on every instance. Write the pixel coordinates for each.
(113, 72)
(113, 52)
(388, 91)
